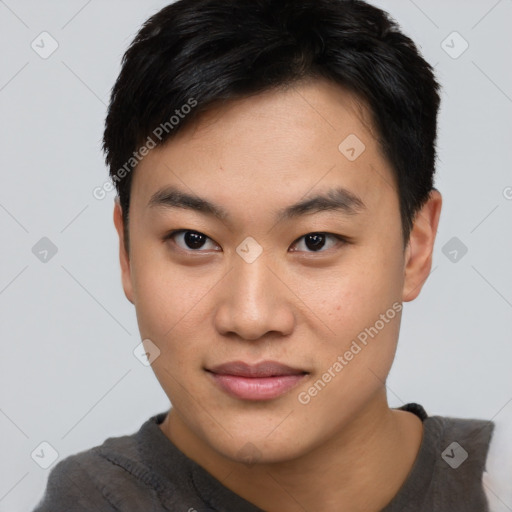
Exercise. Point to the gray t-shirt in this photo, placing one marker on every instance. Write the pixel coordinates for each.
(146, 472)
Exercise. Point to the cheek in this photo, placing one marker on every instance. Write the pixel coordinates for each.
(172, 309)
(168, 313)
(359, 305)
(161, 297)
(353, 294)
(362, 310)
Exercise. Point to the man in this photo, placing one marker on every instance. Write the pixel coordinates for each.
(274, 165)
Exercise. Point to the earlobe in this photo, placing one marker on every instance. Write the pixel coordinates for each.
(418, 255)
(124, 259)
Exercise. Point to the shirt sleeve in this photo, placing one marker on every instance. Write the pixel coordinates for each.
(70, 487)
(497, 478)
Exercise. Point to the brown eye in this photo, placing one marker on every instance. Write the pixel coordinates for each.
(316, 242)
(189, 240)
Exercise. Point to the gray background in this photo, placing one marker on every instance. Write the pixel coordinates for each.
(68, 375)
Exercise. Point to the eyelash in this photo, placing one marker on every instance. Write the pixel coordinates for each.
(341, 239)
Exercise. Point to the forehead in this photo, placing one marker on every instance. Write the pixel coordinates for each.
(272, 148)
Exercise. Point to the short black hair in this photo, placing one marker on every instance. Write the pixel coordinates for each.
(195, 54)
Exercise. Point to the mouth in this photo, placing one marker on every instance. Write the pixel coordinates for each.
(262, 381)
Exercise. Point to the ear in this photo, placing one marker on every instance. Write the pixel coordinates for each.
(123, 254)
(418, 257)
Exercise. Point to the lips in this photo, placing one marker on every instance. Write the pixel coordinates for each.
(259, 370)
(262, 381)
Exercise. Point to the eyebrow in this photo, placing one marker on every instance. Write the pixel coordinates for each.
(336, 199)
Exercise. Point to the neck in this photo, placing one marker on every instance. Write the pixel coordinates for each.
(361, 467)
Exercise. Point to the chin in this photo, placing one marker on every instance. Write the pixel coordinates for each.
(260, 449)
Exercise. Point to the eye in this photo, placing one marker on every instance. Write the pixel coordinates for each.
(315, 242)
(189, 240)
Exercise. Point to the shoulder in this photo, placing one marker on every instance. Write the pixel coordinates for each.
(497, 478)
(72, 485)
(462, 442)
(107, 477)
(480, 450)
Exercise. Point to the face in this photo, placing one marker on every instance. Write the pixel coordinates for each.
(318, 289)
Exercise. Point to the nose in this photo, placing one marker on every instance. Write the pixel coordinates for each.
(254, 301)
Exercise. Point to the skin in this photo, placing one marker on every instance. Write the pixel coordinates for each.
(292, 304)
